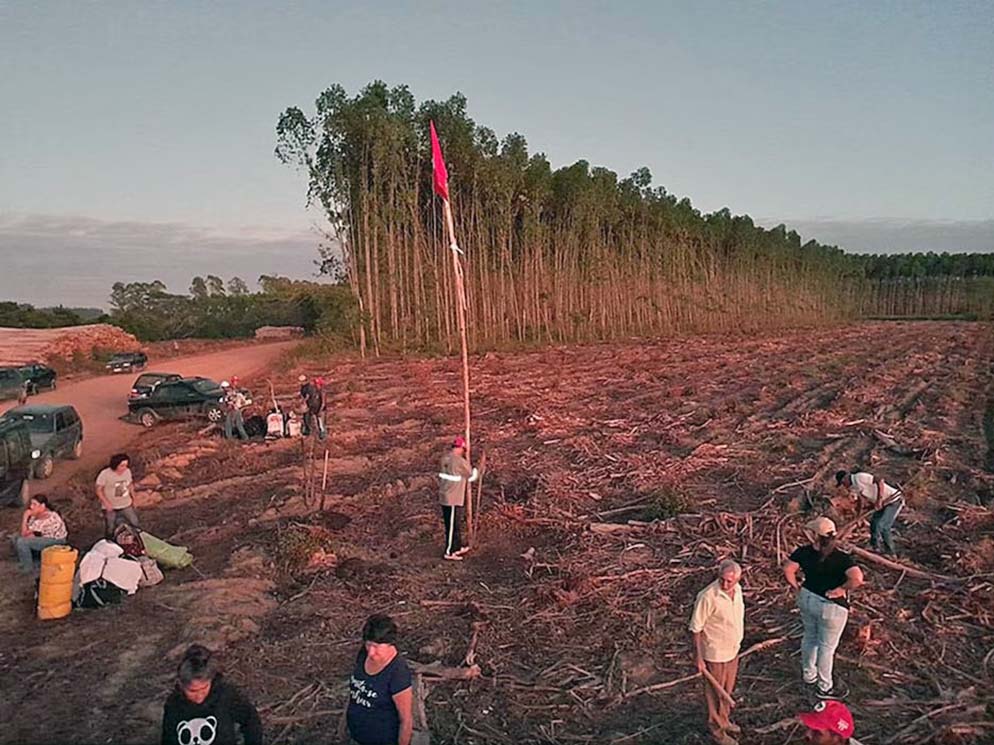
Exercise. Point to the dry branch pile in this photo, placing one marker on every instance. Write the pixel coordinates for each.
(64, 345)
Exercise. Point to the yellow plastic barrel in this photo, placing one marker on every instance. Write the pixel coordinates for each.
(58, 565)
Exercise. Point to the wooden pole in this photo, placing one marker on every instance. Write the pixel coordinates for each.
(461, 318)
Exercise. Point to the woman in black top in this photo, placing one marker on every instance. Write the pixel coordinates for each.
(380, 693)
(829, 575)
(204, 709)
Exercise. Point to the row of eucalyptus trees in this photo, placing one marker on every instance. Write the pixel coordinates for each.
(558, 255)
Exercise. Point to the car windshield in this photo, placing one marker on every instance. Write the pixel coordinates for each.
(205, 386)
(121, 358)
(42, 423)
(150, 379)
(10, 375)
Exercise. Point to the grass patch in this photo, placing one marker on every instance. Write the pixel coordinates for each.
(664, 503)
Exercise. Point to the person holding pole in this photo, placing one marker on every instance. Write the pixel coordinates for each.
(887, 502)
(718, 624)
(454, 474)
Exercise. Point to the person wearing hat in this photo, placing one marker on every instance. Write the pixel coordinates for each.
(830, 723)
(312, 394)
(830, 574)
(887, 501)
(454, 473)
(234, 402)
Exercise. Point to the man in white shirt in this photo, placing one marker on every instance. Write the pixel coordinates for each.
(887, 502)
(718, 624)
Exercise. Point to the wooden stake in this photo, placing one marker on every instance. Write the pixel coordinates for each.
(461, 317)
(324, 479)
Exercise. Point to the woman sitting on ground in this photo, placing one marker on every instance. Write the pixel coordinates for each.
(41, 527)
(205, 708)
(380, 693)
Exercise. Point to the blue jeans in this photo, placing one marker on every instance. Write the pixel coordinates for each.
(824, 622)
(880, 524)
(26, 546)
(234, 420)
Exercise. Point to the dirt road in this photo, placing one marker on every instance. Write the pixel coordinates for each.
(102, 401)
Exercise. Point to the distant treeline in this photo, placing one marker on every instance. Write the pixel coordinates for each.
(25, 316)
(552, 255)
(214, 309)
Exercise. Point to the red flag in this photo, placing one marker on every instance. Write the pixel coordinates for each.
(440, 178)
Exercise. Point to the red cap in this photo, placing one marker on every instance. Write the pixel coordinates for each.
(829, 716)
(459, 442)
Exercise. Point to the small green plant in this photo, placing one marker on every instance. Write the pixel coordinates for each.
(664, 503)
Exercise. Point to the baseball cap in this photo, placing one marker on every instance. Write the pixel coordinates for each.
(829, 716)
(225, 384)
(459, 442)
(302, 379)
(821, 526)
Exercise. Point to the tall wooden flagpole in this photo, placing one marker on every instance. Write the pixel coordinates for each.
(440, 178)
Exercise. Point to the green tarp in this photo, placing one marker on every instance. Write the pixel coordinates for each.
(167, 555)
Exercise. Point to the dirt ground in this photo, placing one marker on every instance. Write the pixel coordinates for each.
(618, 475)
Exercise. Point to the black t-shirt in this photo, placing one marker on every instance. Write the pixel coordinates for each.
(820, 576)
(372, 715)
(213, 721)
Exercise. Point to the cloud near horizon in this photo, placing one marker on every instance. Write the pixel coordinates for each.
(889, 236)
(69, 260)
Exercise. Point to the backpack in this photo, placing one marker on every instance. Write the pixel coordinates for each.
(130, 541)
(151, 574)
(97, 594)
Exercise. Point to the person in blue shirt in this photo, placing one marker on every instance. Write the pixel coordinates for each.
(380, 710)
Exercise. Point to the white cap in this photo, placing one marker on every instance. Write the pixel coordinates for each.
(225, 383)
(821, 526)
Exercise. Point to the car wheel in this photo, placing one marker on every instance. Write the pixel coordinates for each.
(148, 418)
(33, 389)
(52, 386)
(214, 414)
(45, 467)
(77, 450)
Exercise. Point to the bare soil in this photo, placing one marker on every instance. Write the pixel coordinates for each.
(618, 475)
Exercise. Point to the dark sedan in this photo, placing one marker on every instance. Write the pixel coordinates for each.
(127, 361)
(187, 398)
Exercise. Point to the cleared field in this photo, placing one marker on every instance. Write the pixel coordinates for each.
(60, 345)
(618, 475)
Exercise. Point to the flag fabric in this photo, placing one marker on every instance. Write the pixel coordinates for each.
(440, 177)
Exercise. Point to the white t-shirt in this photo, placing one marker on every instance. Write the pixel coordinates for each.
(862, 484)
(116, 487)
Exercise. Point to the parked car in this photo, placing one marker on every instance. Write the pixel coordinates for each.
(16, 462)
(11, 383)
(56, 431)
(147, 382)
(38, 376)
(179, 399)
(127, 361)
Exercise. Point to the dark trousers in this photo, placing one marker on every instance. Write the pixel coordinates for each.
(123, 515)
(450, 517)
(314, 424)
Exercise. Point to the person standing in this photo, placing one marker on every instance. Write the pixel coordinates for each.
(312, 393)
(41, 527)
(115, 491)
(718, 624)
(381, 696)
(454, 474)
(830, 574)
(205, 709)
(887, 501)
(234, 402)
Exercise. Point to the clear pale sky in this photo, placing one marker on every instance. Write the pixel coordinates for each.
(137, 137)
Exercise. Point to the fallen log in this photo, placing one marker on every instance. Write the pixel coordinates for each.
(758, 647)
(898, 567)
(436, 670)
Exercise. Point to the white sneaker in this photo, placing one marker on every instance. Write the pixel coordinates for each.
(453, 557)
(463, 550)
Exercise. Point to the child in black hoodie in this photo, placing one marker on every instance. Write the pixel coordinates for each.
(204, 709)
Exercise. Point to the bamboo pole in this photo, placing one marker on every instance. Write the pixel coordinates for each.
(460, 301)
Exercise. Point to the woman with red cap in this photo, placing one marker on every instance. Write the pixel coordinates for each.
(454, 473)
(830, 723)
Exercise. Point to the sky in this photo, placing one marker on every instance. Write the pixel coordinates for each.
(138, 137)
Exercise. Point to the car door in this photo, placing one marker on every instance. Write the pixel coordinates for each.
(62, 444)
